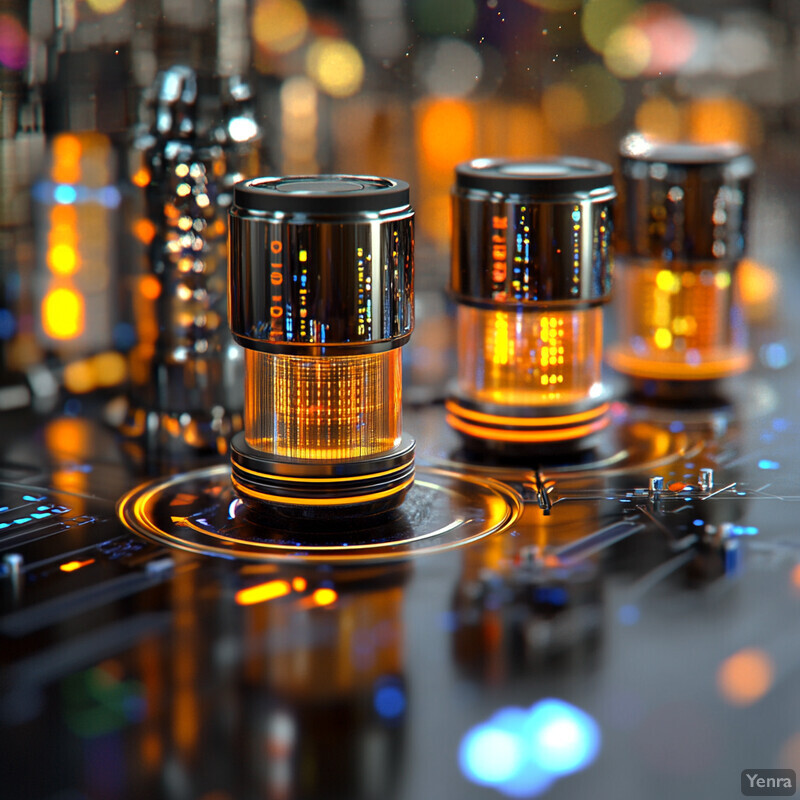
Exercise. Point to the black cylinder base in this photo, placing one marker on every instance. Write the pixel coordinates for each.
(521, 434)
(307, 490)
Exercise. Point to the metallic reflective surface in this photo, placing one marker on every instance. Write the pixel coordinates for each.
(530, 232)
(442, 510)
(683, 202)
(311, 282)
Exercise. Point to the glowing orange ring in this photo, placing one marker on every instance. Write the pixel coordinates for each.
(320, 501)
(528, 422)
(680, 371)
(523, 437)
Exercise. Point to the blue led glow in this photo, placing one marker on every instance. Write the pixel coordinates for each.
(110, 196)
(628, 614)
(390, 701)
(698, 523)
(676, 427)
(744, 530)
(765, 463)
(563, 738)
(780, 424)
(490, 755)
(65, 194)
(552, 595)
(521, 752)
(775, 355)
(8, 325)
(31, 499)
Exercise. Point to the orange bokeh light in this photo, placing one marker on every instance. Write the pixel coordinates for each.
(723, 119)
(149, 287)
(446, 133)
(141, 177)
(67, 150)
(745, 677)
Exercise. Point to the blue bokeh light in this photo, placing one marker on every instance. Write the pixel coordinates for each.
(765, 463)
(490, 755)
(521, 752)
(628, 614)
(65, 194)
(8, 325)
(564, 738)
(390, 701)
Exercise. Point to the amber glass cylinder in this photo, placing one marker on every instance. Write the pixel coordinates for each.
(682, 229)
(336, 407)
(678, 324)
(531, 268)
(529, 358)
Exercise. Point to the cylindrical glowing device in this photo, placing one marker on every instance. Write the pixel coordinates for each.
(681, 233)
(321, 297)
(531, 268)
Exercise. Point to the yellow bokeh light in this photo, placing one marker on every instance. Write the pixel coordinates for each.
(662, 338)
(279, 26)
(79, 377)
(723, 119)
(668, 281)
(745, 677)
(324, 597)
(660, 118)
(62, 259)
(110, 368)
(335, 66)
(627, 52)
(564, 108)
(105, 6)
(63, 314)
(601, 18)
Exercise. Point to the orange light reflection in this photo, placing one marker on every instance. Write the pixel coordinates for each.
(324, 597)
(262, 592)
(72, 566)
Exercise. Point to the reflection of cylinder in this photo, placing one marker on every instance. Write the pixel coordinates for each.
(321, 298)
(531, 266)
(187, 374)
(682, 233)
(76, 216)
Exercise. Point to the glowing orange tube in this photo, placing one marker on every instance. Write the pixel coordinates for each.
(681, 236)
(321, 288)
(530, 270)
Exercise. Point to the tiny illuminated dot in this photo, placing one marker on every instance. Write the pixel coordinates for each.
(662, 338)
